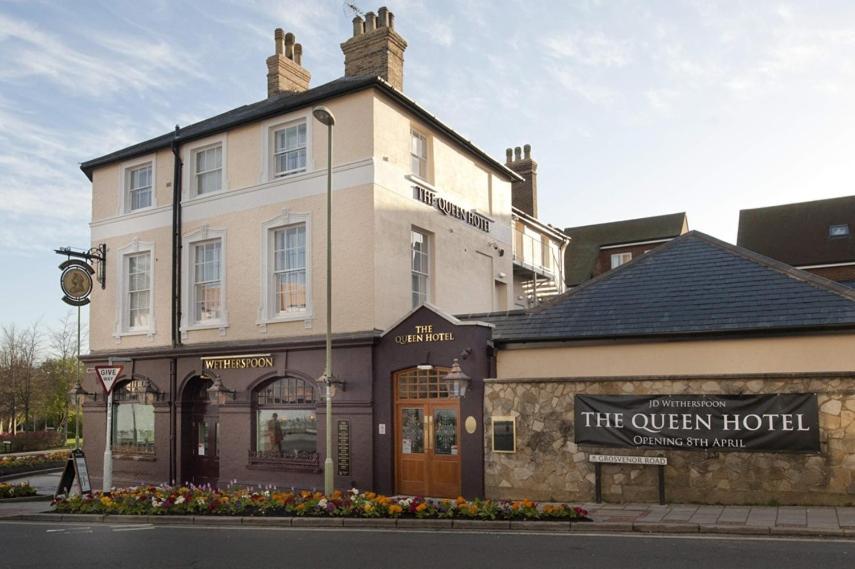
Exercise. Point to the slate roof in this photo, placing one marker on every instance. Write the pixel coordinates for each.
(693, 285)
(286, 103)
(581, 255)
(797, 234)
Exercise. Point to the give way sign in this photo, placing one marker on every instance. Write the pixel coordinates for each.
(108, 375)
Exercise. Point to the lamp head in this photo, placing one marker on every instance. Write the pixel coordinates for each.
(324, 115)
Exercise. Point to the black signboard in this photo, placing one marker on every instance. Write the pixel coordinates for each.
(74, 468)
(785, 422)
(343, 450)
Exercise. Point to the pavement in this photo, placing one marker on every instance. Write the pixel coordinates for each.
(745, 520)
(621, 518)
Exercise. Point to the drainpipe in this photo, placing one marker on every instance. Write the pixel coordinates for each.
(176, 300)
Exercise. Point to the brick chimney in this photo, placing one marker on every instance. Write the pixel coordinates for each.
(523, 194)
(285, 74)
(376, 49)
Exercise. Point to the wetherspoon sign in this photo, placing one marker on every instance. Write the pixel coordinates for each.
(785, 422)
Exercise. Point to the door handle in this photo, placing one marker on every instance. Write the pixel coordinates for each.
(430, 431)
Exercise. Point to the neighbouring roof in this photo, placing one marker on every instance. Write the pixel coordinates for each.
(797, 234)
(286, 103)
(581, 256)
(693, 285)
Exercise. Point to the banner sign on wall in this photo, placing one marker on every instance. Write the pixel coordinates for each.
(786, 422)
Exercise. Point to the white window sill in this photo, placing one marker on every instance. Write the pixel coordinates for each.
(288, 317)
(206, 325)
(197, 196)
(281, 175)
(420, 181)
(139, 210)
(123, 333)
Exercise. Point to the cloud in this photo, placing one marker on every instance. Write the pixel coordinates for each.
(122, 64)
(589, 48)
(591, 92)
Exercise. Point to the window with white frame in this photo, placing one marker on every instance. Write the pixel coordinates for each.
(138, 299)
(138, 184)
(208, 169)
(619, 259)
(289, 269)
(418, 154)
(289, 149)
(207, 286)
(420, 266)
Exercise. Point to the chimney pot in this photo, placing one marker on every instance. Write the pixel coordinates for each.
(285, 73)
(509, 155)
(527, 151)
(375, 49)
(279, 40)
(517, 153)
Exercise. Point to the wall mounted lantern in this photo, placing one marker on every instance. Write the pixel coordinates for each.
(456, 381)
(218, 393)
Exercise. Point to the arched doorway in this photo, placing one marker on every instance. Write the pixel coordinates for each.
(200, 425)
(427, 434)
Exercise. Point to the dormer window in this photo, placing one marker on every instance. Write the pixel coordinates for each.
(841, 230)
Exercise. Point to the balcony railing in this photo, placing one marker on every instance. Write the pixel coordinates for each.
(535, 254)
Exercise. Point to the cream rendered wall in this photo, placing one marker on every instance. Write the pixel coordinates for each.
(248, 199)
(103, 315)
(108, 185)
(352, 284)
(701, 357)
(465, 262)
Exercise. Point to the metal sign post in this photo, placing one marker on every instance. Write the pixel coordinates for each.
(108, 374)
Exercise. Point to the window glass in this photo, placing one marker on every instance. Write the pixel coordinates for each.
(841, 230)
(418, 154)
(503, 435)
(285, 420)
(207, 283)
(420, 267)
(139, 187)
(290, 150)
(289, 268)
(139, 291)
(133, 419)
(619, 259)
(445, 431)
(412, 431)
(209, 170)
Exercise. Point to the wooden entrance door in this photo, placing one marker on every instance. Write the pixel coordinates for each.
(427, 435)
(200, 434)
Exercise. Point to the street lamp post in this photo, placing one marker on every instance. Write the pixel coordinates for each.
(325, 116)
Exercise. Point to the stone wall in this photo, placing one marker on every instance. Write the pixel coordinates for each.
(548, 465)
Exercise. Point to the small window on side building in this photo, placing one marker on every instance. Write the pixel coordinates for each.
(504, 434)
(841, 230)
(619, 259)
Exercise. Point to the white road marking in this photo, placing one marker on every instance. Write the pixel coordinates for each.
(133, 528)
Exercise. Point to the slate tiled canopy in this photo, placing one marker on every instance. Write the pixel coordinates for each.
(693, 285)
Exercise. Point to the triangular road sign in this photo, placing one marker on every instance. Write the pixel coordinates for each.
(108, 376)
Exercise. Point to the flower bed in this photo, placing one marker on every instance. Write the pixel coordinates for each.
(16, 490)
(200, 500)
(28, 463)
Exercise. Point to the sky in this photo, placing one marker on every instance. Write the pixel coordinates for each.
(632, 107)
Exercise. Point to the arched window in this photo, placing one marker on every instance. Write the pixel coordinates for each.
(285, 422)
(133, 417)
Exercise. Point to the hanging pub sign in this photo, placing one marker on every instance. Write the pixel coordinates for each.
(76, 282)
(784, 422)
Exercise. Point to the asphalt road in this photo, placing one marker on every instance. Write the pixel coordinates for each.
(72, 546)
